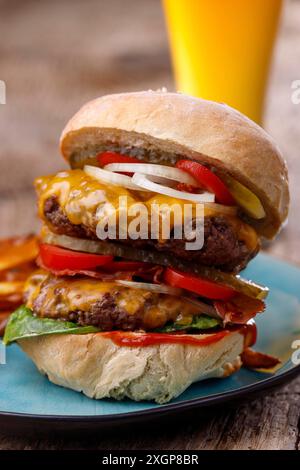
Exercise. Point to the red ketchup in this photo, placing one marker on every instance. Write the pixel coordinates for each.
(122, 338)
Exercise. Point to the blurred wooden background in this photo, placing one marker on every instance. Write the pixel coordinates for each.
(54, 56)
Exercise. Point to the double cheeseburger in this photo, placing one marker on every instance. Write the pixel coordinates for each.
(145, 317)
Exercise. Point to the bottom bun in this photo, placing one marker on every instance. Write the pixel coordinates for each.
(99, 368)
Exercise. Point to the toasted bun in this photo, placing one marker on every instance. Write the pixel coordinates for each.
(204, 131)
(99, 368)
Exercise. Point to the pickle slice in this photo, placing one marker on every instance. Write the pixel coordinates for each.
(245, 198)
(241, 285)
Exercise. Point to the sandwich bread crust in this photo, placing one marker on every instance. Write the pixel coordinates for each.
(99, 368)
(205, 131)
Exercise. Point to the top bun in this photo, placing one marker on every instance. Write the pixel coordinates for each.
(205, 131)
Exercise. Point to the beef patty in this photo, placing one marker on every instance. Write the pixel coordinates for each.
(222, 249)
(105, 305)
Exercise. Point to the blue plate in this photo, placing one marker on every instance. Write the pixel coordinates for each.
(27, 395)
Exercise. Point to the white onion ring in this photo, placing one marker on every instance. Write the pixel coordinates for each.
(145, 182)
(158, 288)
(209, 310)
(173, 174)
(110, 177)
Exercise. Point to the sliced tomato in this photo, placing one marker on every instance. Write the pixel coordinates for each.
(55, 257)
(116, 266)
(105, 158)
(207, 180)
(198, 285)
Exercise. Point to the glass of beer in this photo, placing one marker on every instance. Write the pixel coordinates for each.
(222, 49)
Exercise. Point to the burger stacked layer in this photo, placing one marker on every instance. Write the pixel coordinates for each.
(112, 310)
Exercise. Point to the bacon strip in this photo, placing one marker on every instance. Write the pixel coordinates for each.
(257, 360)
(148, 274)
(240, 309)
(3, 321)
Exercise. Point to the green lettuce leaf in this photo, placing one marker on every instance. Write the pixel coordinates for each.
(199, 322)
(22, 324)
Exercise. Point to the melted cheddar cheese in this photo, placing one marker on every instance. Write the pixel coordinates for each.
(56, 297)
(84, 200)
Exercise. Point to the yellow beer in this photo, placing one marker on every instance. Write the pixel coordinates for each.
(221, 49)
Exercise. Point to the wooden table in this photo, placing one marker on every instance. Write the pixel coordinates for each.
(54, 57)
